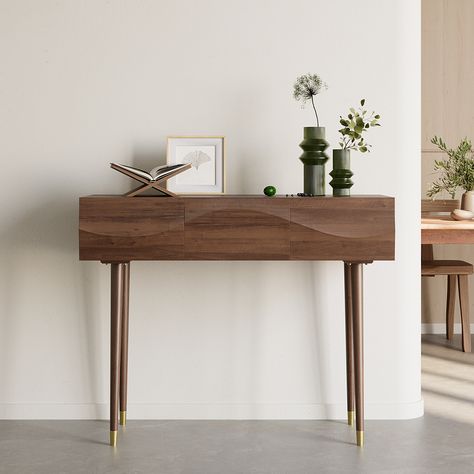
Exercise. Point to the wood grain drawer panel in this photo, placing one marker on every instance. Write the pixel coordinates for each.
(349, 229)
(238, 229)
(120, 229)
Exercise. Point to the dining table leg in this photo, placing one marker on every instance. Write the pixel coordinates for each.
(358, 335)
(464, 306)
(450, 305)
(116, 302)
(350, 389)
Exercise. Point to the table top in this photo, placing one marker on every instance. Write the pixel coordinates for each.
(445, 223)
(289, 197)
(444, 230)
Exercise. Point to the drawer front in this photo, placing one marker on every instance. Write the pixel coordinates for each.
(123, 229)
(350, 229)
(237, 229)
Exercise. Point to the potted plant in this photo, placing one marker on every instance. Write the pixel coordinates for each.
(457, 171)
(354, 126)
(314, 143)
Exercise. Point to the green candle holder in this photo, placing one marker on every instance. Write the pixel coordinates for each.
(314, 159)
(341, 173)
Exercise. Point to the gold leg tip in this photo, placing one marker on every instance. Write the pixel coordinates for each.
(360, 438)
(113, 438)
(123, 418)
(350, 418)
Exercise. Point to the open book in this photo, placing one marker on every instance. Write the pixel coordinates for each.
(156, 174)
(155, 178)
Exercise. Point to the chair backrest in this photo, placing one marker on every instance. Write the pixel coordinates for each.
(433, 207)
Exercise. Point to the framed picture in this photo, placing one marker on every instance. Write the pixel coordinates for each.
(207, 172)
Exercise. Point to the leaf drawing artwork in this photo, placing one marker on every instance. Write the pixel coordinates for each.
(196, 158)
(203, 164)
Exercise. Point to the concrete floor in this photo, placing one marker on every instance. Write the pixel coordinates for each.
(441, 442)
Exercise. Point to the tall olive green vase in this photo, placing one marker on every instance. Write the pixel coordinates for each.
(341, 173)
(314, 158)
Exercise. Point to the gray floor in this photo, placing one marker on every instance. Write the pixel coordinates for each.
(437, 443)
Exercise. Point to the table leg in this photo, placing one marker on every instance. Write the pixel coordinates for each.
(450, 304)
(349, 344)
(464, 306)
(116, 301)
(124, 345)
(357, 317)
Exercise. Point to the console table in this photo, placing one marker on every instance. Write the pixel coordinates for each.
(355, 230)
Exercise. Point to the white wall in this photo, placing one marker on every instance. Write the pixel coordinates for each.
(84, 83)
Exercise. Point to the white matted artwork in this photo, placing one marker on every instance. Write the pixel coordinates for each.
(206, 156)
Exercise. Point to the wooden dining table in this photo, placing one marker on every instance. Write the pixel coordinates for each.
(445, 230)
(438, 227)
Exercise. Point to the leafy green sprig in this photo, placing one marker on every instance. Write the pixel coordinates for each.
(457, 170)
(354, 125)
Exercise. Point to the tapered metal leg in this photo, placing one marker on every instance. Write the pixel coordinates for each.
(349, 344)
(124, 345)
(357, 317)
(116, 301)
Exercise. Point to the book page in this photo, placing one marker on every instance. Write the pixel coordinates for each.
(136, 171)
(161, 171)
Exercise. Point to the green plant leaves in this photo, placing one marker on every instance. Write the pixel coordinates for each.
(456, 171)
(354, 125)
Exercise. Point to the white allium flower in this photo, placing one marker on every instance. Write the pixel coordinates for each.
(306, 87)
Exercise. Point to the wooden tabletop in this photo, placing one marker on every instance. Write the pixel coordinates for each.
(444, 230)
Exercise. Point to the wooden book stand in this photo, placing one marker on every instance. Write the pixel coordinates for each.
(159, 184)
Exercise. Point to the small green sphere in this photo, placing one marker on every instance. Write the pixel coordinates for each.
(270, 191)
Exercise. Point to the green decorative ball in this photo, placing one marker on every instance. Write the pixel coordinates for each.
(269, 191)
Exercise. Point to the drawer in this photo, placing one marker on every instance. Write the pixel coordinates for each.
(351, 229)
(237, 229)
(123, 228)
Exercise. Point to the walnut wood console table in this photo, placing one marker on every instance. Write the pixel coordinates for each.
(355, 230)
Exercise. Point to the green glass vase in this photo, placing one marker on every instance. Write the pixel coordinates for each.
(314, 159)
(341, 173)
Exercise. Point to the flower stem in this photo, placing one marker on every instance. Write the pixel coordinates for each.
(316, 113)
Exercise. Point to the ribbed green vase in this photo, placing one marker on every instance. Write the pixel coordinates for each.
(341, 173)
(314, 158)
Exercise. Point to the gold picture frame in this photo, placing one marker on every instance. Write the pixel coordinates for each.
(207, 154)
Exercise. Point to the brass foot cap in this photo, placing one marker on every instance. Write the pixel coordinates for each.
(123, 418)
(113, 438)
(360, 438)
(350, 418)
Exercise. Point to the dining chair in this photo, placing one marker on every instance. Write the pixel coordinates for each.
(457, 272)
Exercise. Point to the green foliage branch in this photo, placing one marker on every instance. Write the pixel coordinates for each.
(456, 171)
(354, 125)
